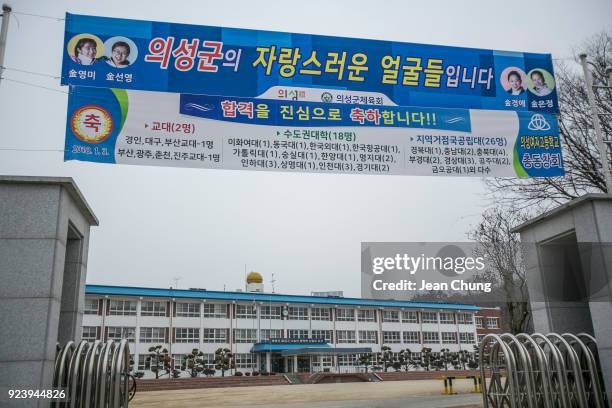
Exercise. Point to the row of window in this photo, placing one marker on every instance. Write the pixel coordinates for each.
(492, 322)
(215, 310)
(192, 335)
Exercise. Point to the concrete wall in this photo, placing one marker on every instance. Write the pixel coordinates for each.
(43, 277)
(566, 251)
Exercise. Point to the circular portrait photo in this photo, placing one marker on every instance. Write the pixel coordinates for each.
(541, 82)
(120, 52)
(85, 49)
(514, 80)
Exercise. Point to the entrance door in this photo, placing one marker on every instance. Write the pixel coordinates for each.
(303, 364)
(277, 363)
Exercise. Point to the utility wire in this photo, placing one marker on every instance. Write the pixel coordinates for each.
(30, 72)
(38, 15)
(33, 85)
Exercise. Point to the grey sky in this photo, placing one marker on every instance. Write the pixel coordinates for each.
(205, 225)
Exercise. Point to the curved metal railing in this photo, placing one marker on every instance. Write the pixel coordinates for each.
(94, 374)
(541, 371)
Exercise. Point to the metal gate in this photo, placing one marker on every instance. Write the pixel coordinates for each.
(94, 374)
(541, 371)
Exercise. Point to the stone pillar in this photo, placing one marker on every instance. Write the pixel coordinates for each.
(295, 365)
(44, 238)
(268, 361)
(568, 259)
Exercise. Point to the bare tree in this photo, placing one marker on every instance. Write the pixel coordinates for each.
(502, 248)
(581, 157)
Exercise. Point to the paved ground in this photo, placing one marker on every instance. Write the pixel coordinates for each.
(389, 394)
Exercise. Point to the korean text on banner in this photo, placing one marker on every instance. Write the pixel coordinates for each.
(166, 57)
(184, 130)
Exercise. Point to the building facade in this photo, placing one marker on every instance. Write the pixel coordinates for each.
(272, 332)
(488, 321)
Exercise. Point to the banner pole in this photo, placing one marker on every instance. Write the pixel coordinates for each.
(603, 149)
(6, 13)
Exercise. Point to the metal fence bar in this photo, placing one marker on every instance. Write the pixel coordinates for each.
(541, 371)
(94, 375)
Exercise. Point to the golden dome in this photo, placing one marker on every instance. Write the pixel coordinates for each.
(254, 277)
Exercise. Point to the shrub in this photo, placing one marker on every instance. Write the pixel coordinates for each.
(255, 373)
(248, 374)
(238, 373)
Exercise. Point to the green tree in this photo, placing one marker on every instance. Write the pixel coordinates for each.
(385, 357)
(193, 363)
(365, 360)
(224, 360)
(427, 358)
(160, 360)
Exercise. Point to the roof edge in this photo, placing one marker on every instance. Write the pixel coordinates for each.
(66, 182)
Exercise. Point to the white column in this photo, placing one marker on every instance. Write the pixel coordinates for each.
(268, 360)
(295, 363)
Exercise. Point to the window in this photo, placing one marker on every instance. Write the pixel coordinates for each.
(430, 337)
(245, 335)
(122, 308)
(449, 338)
(148, 308)
(90, 333)
(186, 335)
(178, 359)
(410, 317)
(466, 338)
(447, 318)
(297, 334)
(208, 360)
(119, 333)
(322, 334)
(271, 312)
(188, 309)
(246, 312)
(215, 310)
(91, 307)
(267, 334)
(429, 317)
(298, 313)
(152, 335)
(143, 362)
(479, 322)
(320, 313)
(347, 360)
(411, 337)
(245, 360)
(465, 318)
(345, 315)
(366, 315)
(391, 316)
(368, 336)
(480, 337)
(214, 335)
(345, 336)
(492, 323)
(391, 337)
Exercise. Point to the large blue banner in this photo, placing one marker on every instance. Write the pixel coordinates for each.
(156, 56)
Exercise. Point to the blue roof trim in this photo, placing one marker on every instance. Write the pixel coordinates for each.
(266, 297)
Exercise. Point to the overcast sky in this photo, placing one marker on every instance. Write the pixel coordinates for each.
(205, 225)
